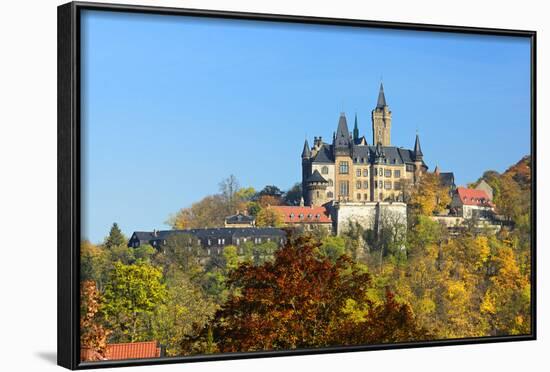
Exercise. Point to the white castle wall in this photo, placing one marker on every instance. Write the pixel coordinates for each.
(368, 214)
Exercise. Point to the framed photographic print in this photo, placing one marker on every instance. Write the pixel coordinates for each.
(237, 185)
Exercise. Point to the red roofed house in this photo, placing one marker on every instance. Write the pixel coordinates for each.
(306, 217)
(470, 203)
(131, 350)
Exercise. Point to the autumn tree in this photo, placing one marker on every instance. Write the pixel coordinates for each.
(298, 301)
(93, 336)
(132, 294)
(269, 217)
(429, 196)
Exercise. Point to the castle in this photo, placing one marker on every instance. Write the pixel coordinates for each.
(350, 170)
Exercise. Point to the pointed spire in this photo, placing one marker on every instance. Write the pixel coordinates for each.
(306, 152)
(417, 150)
(355, 130)
(381, 98)
(342, 132)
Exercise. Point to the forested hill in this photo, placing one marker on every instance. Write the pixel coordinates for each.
(512, 189)
(521, 172)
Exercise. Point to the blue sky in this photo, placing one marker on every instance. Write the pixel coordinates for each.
(172, 105)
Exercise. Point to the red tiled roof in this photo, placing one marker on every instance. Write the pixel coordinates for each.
(303, 214)
(133, 350)
(474, 197)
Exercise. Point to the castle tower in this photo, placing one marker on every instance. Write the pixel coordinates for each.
(306, 169)
(343, 175)
(316, 190)
(381, 121)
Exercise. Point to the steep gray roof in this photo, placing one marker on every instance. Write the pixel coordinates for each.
(324, 155)
(417, 149)
(381, 103)
(401, 155)
(316, 177)
(306, 152)
(342, 133)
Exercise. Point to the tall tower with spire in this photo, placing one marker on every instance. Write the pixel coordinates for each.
(381, 121)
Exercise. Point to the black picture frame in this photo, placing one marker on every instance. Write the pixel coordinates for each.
(69, 197)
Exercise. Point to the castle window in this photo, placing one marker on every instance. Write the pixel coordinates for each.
(380, 184)
(209, 242)
(317, 193)
(330, 182)
(358, 185)
(344, 167)
(366, 197)
(387, 185)
(309, 216)
(397, 185)
(397, 173)
(291, 215)
(237, 241)
(358, 172)
(365, 184)
(410, 168)
(393, 161)
(362, 160)
(380, 172)
(344, 188)
(330, 194)
(301, 216)
(365, 172)
(387, 173)
(324, 170)
(358, 196)
(355, 160)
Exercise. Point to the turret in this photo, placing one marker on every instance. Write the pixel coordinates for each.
(316, 189)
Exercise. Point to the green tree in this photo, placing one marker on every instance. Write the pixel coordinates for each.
(332, 247)
(294, 195)
(115, 237)
(186, 310)
(132, 294)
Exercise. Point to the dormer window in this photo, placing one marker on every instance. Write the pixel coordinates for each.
(301, 216)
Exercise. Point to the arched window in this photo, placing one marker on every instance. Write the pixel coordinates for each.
(324, 170)
(330, 194)
(330, 182)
